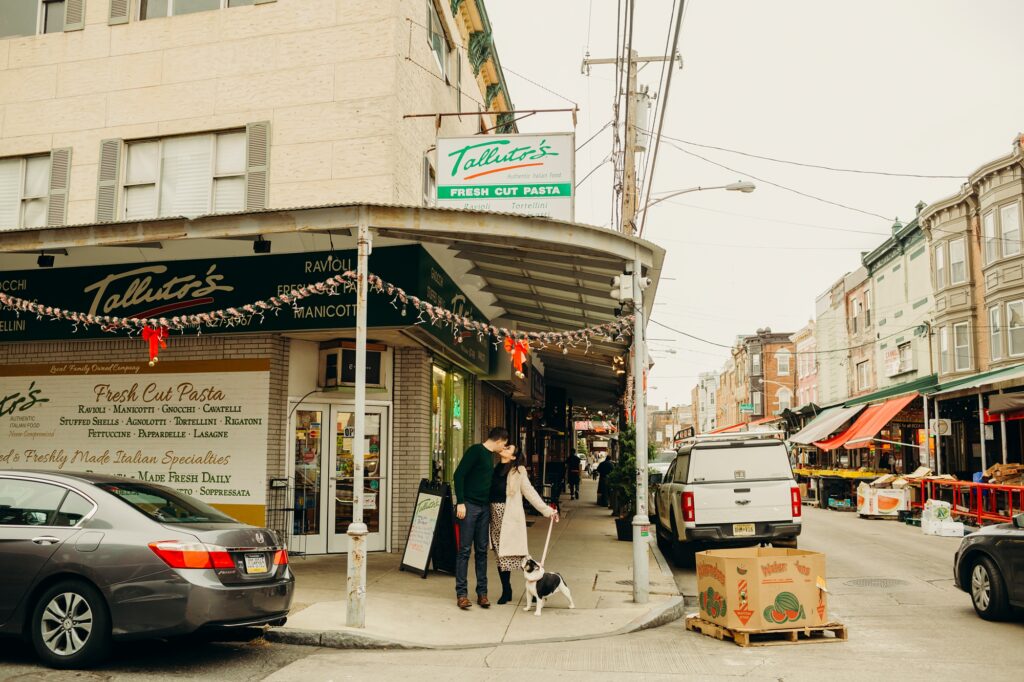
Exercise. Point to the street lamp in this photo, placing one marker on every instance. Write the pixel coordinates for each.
(744, 186)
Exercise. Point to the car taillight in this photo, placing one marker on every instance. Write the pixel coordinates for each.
(689, 513)
(281, 557)
(177, 554)
(794, 498)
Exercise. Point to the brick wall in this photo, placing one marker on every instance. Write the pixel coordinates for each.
(207, 347)
(410, 452)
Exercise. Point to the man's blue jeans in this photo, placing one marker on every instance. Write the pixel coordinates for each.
(472, 532)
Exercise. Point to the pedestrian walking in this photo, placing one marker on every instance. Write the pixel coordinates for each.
(603, 469)
(473, 496)
(572, 475)
(510, 484)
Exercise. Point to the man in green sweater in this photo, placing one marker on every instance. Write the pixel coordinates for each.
(473, 497)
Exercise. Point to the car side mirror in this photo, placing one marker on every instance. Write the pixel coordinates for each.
(654, 479)
(1018, 520)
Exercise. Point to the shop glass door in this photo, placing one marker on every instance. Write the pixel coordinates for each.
(321, 449)
(375, 449)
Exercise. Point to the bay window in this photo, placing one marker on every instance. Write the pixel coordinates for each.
(961, 347)
(995, 332)
(1009, 224)
(944, 349)
(991, 238)
(957, 261)
(940, 266)
(1015, 328)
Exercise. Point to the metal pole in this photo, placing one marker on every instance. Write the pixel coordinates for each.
(1002, 431)
(927, 438)
(981, 431)
(356, 582)
(641, 530)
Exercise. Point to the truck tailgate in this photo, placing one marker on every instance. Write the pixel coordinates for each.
(742, 501)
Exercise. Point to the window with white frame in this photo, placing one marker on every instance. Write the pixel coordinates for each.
(755, 363)
(867, 308)
(1009, 225)
(906, 357)
(185, 176)
(1015, 328)
(24, 191)
(154, 9)
(29, 17)
(856, 309)
(438, 40)
(863, 375)
(755, 400)
(784, 397)
(991, 238)
(995, 332)
(940, 266)
(782, 359)
(961, 346)
(429, 182)
(957, 261)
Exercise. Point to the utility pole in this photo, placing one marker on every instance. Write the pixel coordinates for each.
(636, 103)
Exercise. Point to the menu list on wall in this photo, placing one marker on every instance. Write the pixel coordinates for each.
(199, 427)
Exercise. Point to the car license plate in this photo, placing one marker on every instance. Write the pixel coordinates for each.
(742, 529)
(255, 563)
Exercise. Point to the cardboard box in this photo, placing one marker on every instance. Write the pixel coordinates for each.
(759, 588)
(881, 501)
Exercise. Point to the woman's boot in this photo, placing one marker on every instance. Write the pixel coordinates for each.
(506, 587)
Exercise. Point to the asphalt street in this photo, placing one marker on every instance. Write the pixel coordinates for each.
(891, 585)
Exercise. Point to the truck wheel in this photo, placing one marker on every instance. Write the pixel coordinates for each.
(71, 626)
(682, 554)
(988, 591)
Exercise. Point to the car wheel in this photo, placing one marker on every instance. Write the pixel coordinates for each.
(988, 592)
(71, 626)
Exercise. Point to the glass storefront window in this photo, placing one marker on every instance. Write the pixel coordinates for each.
(371, 472)
(308, 452)
(451, 419)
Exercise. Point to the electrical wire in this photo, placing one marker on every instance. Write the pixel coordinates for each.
(813, 165)
(661, 119)
(592, 171)
(591, 138)
(774, 220)
(539, 85)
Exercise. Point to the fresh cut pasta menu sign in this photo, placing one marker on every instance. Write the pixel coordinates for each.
(527, 174)
(199, 427)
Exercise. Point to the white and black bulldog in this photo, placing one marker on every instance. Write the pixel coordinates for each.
(540, 585)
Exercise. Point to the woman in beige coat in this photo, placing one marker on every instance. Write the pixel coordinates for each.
(509, 486)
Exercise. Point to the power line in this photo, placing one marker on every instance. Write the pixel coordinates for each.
(539, 85)
(775, 220)
(817, 166)
(664, 109)
(591, 138)
(592, 171)
(783, 187)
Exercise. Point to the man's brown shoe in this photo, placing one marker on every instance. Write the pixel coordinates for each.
(464, 603)
(483, 601)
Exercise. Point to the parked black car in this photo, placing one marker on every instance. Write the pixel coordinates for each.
(989, 565)
(87, 558)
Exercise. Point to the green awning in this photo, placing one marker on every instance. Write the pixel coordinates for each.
(926, 384)
(981, 380)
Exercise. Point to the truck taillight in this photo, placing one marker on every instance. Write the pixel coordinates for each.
(794, 497)
(689, 513)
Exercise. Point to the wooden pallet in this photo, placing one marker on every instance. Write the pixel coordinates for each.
(804, 635)
(879, 517)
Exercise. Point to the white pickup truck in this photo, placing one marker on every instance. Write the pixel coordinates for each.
(728, 490)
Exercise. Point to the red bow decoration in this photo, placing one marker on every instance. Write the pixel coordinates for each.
(155, 337)
(518, 350)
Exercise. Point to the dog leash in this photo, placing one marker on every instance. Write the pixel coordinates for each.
(547, 541)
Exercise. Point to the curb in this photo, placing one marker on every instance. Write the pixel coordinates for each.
(672, 610)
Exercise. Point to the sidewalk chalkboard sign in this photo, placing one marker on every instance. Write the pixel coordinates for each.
(431, 531)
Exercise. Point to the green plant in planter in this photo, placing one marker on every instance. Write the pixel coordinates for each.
(622, 479)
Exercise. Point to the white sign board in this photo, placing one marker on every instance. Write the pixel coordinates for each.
(421, 532)
(199, 427)
(527, 174)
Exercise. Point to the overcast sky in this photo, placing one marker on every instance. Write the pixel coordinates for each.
(910, 86)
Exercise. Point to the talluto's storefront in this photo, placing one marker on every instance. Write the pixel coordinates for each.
(256, 419)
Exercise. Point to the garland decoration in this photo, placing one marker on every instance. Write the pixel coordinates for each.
(155, 331)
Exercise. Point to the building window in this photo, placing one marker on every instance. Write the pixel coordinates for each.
(1009, 223)
(961, 347)
(29, 17)
(988, 231)
(940, 266)
(154, 9)
(429, 182)
(438, 40)
(24, 191)
(995, 331)
(755, 400)
(863, 375)
(856, 308)
(782, 358)
(906, 357)
(867, 308)
(755, 364)
(944, 349)
(185, 176)
(1015, 327)
(957, 261)
(785, 399)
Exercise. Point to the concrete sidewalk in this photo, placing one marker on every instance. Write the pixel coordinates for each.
(406, 611)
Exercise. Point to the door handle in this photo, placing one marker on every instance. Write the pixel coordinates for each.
(742, 501)
(45, 540)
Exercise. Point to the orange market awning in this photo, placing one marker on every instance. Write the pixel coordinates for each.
(868, 424)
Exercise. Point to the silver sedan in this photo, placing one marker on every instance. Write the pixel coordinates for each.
(87, 558)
